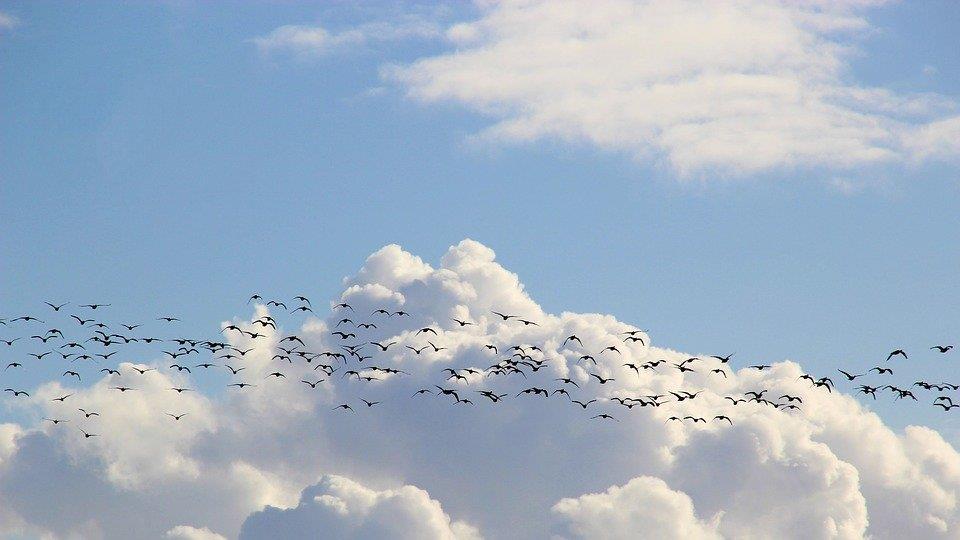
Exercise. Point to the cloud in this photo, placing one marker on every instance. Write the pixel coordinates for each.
(8, 21)
(702, 86)
(315, 40)
(846, 186)
(644, 507)
(338, 507)
(186, 532)
(522, 468)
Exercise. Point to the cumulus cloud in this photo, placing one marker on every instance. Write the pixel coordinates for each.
(644, 507)
(246, 462)
(338, 507)
(735, 87)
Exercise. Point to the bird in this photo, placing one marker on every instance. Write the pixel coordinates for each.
(850, 376)
(942, 348)
(898, 352)
(462, 323)
(581, 403)
(722, 417)
(416, 350)
(604, 416)
(176, 417)
(684, 368)
(491, 395)
(369, 403)
(87, 435)
(382, 346)
(88, 414)
(535, 391)
(602, 380)
(504, 316)
(27, 318)
(345, 407)
(62, 398)
(56, 307)
(881, 370)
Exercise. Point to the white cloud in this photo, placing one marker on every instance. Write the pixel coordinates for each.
(8, 21)
(338, 507)
(643, 508)
(186, 532)
(846, 185)
(735, 87)
(521, 468)
(940, 139)
(315, 40)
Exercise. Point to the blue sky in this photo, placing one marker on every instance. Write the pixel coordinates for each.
(155, 157)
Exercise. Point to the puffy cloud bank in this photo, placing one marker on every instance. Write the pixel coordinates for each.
(275, 460)
(338, 507)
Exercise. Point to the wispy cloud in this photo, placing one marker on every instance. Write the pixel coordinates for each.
(8, 21)
(315, 40)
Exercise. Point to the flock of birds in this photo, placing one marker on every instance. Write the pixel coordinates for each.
(97, 344)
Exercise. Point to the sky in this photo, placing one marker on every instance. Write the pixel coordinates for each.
(774, 180)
